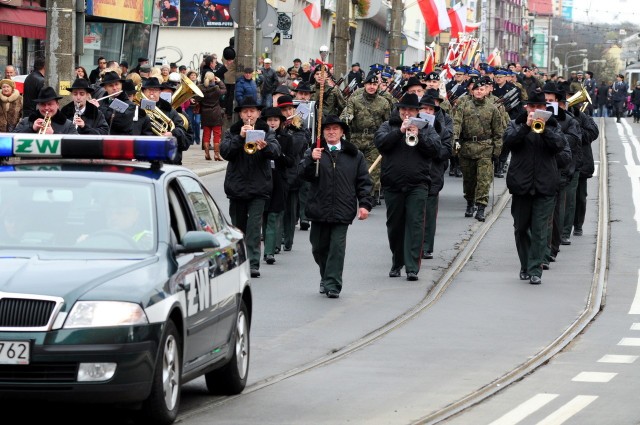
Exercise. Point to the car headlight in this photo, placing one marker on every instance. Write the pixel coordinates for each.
(89, 314)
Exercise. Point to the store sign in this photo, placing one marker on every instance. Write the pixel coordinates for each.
(125, 10)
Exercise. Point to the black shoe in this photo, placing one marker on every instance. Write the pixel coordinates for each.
(458, 172)
(287, 248)
(412, 276)
(535, 280)
(255, 273)
(333, 294)
(480, 213)
(524, 275)
(545, 266)
(497, 170)
(394, 272)
(577, 232)
(277, 251)
(565, 241)
(470, 210)
(322, 290)
(304, 225)
(270, 259)
(452, 172)
(427, 255)
(552, 258)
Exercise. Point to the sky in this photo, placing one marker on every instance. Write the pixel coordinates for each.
(609, 11)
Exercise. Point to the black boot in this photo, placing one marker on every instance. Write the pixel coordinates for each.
(452, 167)
(458, 172)
(497, 170)
(617, 116)
(470, 209)
(480, 213)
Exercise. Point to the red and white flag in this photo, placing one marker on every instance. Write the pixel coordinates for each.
(435, 15)
(429, 60)
(471, 26)
(458, 18)
(313, 13)
(494, 58)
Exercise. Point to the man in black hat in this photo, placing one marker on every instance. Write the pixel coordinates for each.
(339, 193)
(124, 68)
(120, 120)
(407, 152)
(303, 91)
(48, 118)
(533, 180)
(141, 121)
(152, 88)
(247, 182)
(85, 116)
(357, 74)
(414, 86)
(569, 174)
(141, 62)
(365, 112)
(478, 128)
(432, 80)
(443, 124)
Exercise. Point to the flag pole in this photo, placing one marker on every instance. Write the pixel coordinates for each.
(320, 99)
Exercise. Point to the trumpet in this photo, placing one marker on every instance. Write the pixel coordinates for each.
(537, 126)
(411, 138)
(251, 147)
(46, 123)
(77, 114)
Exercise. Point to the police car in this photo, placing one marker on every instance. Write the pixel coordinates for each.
(119, 280)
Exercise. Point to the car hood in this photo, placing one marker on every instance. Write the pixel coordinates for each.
(66, 278)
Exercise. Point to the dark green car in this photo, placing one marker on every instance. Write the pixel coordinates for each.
(119, 282)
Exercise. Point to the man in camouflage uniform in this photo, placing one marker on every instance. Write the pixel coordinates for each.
(383, 89)
(432, 81)
(365, 112)
(478, 128)
(332, 100)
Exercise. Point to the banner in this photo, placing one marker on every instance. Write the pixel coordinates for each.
(125, 10)
(92, 36)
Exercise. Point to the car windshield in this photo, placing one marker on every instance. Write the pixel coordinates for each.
(76, 214)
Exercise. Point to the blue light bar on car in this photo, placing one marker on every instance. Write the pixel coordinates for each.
(141, 148)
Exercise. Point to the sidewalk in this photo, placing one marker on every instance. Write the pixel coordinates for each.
(193, 158)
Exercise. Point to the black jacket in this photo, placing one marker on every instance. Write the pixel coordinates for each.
(533, 169)
(32, 85)
(59, 123)
(590, 132)
(444, 127)
(300, 138)
(403, 166)
(282, 168)
(343, 184)
(182, 135)
(94, 121)
(248, 176)
(119, 123)
(571, 129)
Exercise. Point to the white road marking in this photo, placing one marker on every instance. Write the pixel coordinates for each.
(632, 169)
(568, 410)
(524, 409)
(635, 305)
(594, 377)
(635, 326)
(617, 358)
(630, 342)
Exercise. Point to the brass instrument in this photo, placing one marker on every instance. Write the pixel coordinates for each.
(251, 147)
(184, 92)
(77, 113)
(160, 122)
(411, 138)
(537, 126)
(45, 124)
(578, 97)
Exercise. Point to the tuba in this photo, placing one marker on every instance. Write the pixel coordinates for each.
(578, 97)
(184, 92)
(160, 122)
(46, 124)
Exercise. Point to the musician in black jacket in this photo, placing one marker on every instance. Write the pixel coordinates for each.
(85, 116)
(47, 108)
(120, 122)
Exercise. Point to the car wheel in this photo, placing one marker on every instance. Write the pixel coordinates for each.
(162, 405)
(232, 377)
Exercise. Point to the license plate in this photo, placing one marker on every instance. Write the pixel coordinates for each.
(14, 352)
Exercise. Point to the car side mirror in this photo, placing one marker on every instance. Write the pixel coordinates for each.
(195, 241)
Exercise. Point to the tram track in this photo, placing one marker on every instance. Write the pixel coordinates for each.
(593, 305)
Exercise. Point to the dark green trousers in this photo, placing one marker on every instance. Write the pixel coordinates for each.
(405, 226)
(570, 206)
(273, 232)
(431, 214)
(246, 215)
(530, 222)
(303, 194)
(328, 246)
(290, 218)
(477, 176)
(554, 231)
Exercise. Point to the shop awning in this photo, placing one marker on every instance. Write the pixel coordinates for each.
(26, 23)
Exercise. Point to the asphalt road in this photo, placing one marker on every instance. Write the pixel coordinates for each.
(486, 324)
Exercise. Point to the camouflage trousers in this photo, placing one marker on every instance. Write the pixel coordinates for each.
(477, 176)
(370, 152)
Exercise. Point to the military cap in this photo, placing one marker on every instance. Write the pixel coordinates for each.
(433, 76)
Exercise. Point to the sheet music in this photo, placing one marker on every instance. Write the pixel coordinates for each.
(427, 117)
(254, 135)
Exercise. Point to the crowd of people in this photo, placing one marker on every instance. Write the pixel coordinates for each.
(384, 134)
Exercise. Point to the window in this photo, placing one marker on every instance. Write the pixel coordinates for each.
(206, 212)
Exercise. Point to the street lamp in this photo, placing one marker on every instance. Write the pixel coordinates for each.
(553, 51)
(583, 52)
